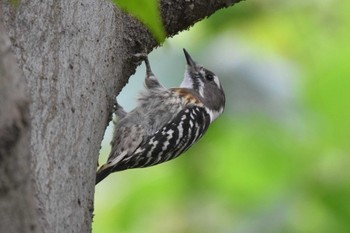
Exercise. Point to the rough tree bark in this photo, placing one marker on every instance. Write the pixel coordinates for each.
(17, 205)
(76, 56)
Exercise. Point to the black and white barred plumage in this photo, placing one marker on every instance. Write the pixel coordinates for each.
(166, 122)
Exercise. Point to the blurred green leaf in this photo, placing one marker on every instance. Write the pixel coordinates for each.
(15, 2)
(147, 11)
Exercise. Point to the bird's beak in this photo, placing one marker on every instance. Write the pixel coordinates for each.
(189, 59)
(189, 72)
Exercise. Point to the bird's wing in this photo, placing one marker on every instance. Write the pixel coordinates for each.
(126, 140)
(171, 140)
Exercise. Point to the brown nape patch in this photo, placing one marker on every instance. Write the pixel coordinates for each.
(188, 95)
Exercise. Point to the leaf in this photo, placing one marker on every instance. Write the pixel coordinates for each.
(15, 2)
(147, 11)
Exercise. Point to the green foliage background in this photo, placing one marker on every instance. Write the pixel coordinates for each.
(251, 173)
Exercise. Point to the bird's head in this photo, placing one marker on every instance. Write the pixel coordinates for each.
(206, 84)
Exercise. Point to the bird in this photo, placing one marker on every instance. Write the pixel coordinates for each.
(166, 122)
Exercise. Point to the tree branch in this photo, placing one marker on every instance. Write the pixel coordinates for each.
(180, 15)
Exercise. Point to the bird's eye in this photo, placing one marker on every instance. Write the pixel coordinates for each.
(209, 77)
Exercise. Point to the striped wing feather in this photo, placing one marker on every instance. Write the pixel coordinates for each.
(170, 141)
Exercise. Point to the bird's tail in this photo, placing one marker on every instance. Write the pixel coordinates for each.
(103, 172)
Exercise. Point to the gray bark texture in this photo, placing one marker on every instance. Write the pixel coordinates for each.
(17, 203)
(76, 56)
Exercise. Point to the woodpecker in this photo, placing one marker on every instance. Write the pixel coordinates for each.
(166, 122)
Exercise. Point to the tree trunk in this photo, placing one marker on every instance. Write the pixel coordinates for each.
(17, 207)
(76, 56)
